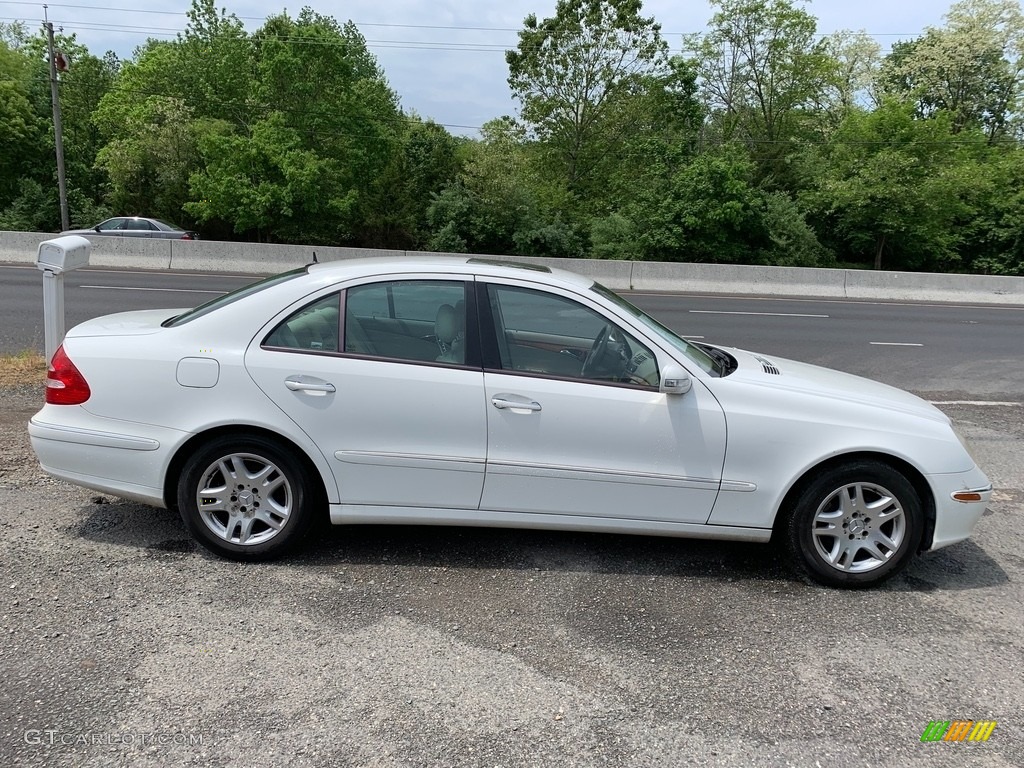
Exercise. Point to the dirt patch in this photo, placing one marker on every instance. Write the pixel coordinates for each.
(21, 370)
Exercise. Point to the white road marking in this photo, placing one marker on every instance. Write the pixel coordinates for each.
(760, 314)
(162, 290)
(975, 402)
(895, 344)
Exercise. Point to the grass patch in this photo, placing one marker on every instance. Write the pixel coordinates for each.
(21, 369)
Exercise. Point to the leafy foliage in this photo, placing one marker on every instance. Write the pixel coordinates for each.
(577, 76)
(764, 143)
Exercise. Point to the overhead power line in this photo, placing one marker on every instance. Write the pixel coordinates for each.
(445, 27)
(411, 45)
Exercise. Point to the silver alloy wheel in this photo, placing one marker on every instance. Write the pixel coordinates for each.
(859, 527)
(244, 499)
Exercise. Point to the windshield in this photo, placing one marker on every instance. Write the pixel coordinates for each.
(692, 351)
(229, 298)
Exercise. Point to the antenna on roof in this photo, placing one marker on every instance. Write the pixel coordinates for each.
(314, 258)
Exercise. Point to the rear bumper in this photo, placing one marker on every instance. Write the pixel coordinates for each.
(120, 458)
(955, 520)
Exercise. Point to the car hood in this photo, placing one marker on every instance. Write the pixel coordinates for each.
(124, 323)
(812, 380)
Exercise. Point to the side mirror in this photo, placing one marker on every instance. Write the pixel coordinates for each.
(674, 380)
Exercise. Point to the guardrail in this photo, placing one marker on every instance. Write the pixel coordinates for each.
(261, 258)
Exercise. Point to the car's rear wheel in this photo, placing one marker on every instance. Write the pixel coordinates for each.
(856, 525)
(245, 498)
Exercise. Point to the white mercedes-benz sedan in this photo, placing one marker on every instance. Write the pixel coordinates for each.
(464, 391)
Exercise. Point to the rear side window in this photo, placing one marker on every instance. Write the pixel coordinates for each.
(314, 328)
(416, 320)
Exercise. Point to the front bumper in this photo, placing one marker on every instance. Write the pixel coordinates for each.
(955, 520)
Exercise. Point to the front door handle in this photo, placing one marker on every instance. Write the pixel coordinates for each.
(301, 385)
(502, 402)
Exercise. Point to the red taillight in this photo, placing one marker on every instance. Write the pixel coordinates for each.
(65, 384)
(186, 236)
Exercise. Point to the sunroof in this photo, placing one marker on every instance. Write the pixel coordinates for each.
(515, 264)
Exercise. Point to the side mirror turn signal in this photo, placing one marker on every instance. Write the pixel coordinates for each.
(674, 380)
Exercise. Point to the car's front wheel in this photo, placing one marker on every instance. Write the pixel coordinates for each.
(856, 525)
(245, 498)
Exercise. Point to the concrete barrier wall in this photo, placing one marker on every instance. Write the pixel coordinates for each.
(21, 247)
(261, 258)
(921, 286)
(730, 278)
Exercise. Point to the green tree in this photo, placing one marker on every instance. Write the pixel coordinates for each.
(711, 211)
(20, 125)
(172, 94)
(497, 204)
(761, 69)
(150, 163)
(493, 198)
(304, 169)
(28, 184)
(614, 237)
(857, 59)
(891, 189)
(265, 184)
(426, 161)
(971, 68)
(213, 60)
(572, 74)
(992, 231)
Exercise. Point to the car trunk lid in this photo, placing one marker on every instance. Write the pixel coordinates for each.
(135, 323)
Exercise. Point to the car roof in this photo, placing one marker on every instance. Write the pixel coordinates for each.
(474, 265)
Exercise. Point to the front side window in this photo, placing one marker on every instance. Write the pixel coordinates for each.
(547, 334)
(416, 320)
(706, 362)
(110, 225)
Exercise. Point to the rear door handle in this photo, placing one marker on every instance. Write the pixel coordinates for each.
(502, 402)
(302, 385)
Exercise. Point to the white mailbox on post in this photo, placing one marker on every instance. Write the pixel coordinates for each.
(55, 257)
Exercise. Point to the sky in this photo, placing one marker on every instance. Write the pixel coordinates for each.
(444, 58)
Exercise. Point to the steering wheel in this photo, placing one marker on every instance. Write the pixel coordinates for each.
(609, 355)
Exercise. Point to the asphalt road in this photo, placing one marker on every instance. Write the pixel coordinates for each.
(939, 350)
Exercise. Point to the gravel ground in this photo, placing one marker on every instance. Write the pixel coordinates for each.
(124, 644)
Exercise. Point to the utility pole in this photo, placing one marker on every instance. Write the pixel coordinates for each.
(58, 135)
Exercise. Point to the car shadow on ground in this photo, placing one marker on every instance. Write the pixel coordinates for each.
(161, 533)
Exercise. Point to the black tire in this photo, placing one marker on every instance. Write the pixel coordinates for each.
(260, 498)
(855, 525)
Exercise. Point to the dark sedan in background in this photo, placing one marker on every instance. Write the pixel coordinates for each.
(136, 226)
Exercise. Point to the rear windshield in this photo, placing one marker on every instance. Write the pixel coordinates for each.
(230, 298)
